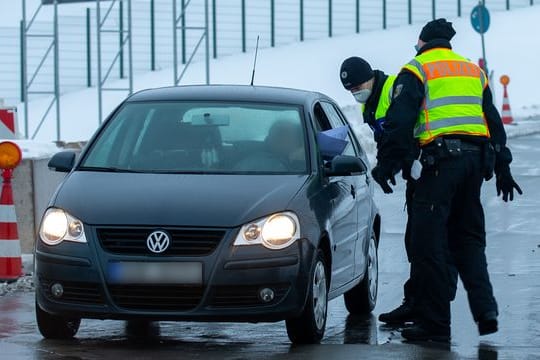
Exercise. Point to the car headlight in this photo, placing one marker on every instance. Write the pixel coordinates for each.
(276, 231)
(57, 226)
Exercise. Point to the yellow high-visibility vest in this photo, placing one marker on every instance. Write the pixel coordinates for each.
(384, 100)
(454, 88)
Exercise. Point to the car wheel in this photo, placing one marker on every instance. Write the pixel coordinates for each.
(56, 327)
(309, 327)
(362, 298)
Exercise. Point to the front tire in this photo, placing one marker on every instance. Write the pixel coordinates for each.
(309, 327)
(362, 298)
(56, 327)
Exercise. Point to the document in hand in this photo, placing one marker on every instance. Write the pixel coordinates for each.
(332, 142)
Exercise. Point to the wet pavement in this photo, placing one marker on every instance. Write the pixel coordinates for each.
(514, 264)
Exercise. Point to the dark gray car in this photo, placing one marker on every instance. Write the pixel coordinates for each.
(210, 203)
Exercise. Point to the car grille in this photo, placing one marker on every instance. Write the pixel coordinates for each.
(156, 298)
(242, 296)
(184, 242)
(76, 292)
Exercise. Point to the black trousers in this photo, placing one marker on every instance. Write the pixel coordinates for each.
(448, 221)
(408, 287)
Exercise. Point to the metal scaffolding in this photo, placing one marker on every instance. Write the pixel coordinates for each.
(27, 81)
(125, 39)
(179, 23)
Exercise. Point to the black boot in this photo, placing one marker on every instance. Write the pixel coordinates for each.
(400, 315)
(488, 324)
(419, 333)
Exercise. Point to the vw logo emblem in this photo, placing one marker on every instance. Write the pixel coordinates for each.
(158, 241)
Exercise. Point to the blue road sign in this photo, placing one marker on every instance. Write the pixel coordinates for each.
(480, 18)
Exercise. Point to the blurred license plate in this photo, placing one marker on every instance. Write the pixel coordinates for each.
(155, 273)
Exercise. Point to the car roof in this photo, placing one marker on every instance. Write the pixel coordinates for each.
(247, 93)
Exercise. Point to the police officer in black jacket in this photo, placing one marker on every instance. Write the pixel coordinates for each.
(459, 133)
(373, 90)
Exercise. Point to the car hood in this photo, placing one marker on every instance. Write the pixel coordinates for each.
(100, 198)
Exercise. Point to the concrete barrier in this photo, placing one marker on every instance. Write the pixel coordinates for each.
(33, 185)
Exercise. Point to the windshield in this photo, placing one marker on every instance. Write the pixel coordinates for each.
(201, 137)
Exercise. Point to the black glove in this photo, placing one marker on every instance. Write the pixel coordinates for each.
(382, 174)
(505, 184)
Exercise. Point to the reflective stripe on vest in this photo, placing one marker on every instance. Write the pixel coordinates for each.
(453, 99)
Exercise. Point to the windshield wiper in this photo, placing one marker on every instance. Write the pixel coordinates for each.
(107, 169)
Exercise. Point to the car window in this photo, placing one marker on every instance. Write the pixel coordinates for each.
(336, 121)
(202, 137)
(322, 123)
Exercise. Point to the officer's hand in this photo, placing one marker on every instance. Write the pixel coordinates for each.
(382, 174)
(505, 185)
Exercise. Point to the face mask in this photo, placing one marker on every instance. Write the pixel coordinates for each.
(361, 96)
(417, 48)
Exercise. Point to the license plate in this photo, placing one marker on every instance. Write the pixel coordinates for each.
(155, 273)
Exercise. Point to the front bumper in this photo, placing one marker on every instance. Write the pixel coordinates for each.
(232, 279)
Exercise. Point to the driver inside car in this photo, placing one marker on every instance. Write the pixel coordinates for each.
(283, 150)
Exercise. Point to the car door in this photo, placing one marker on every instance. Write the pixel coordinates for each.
(343, 219)
(359, 189)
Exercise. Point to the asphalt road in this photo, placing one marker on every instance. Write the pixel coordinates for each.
(514, 265)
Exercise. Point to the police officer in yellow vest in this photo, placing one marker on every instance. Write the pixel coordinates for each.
(442, 102)
(371, 88)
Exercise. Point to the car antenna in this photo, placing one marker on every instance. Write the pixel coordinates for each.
(255, 61)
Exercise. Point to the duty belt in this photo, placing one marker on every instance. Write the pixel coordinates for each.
(469, 146)
(453, 145)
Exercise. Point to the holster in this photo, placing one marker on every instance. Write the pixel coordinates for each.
(488, 161)
(452, 147)
(433, 153)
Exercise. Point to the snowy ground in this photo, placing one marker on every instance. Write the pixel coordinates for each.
(25, 283)
(314, 65)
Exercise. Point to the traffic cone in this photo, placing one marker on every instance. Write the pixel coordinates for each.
(10, 246)
(506, 113)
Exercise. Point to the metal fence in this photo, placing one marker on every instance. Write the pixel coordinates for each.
(234, 27)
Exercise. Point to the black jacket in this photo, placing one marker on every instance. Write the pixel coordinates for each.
(402, 115)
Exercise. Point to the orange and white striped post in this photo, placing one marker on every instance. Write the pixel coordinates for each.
(506, 113)
(10, 246)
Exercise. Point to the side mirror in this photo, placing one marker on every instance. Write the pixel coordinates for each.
(343, 165)
(62, 161)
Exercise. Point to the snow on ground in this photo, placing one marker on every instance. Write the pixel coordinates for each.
(24, 283)
(32, 149)
(314, 65)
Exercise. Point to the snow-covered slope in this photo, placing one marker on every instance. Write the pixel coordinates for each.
(314, 65)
